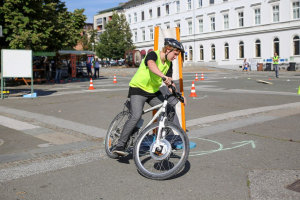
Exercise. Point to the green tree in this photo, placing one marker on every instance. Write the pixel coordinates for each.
(116, 39)
(88, 38)
(39, 24)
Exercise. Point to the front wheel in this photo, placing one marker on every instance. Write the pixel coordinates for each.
(163, 163)
(114, 132)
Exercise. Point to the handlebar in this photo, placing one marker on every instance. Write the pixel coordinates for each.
(174, 93)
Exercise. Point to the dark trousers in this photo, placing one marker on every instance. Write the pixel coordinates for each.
(96, 70)
(276, 68)
(137, 103)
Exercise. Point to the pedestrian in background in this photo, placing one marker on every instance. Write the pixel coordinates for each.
(246, 65)
(96, 67)
(58, 70)
(275, 63)
(48, 72)
(69, 68)
(89, 69)
(52, 69)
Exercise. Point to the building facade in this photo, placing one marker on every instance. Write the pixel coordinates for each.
(105, 16)
(221, 33)
(86, 28)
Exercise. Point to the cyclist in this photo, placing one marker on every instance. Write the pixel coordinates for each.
(144, 86)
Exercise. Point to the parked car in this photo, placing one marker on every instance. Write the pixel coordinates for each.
(105, 63)
(121, 62)
(113, 63)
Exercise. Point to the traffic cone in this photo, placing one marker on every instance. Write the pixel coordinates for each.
(193, 92)
(202, 78)
(299, 91)
(115, 79)
(196, 79)
(91, 85)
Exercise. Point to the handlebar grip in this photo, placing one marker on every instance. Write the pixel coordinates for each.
(164, 79)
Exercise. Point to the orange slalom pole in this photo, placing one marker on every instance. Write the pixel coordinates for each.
(156, 35)
(181, 81)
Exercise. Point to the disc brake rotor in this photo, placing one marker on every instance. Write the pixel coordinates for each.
(163, 153)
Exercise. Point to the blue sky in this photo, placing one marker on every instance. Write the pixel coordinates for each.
(91, 6)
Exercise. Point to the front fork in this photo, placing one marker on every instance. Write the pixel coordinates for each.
(160, 134)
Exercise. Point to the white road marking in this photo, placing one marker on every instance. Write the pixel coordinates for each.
(49, 165)
(89, 130)
(15, 124)
(239, 113)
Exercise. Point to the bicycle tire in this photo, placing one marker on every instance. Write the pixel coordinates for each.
(143, 146)
(114, 132)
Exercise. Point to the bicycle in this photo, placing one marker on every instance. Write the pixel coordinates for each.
(161, 149)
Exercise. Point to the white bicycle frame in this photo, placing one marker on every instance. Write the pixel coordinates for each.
(162, 109)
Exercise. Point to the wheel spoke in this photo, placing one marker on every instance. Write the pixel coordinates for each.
(114, 133)
(164, 163)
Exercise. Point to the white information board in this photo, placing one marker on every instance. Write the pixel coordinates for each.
(16, 63)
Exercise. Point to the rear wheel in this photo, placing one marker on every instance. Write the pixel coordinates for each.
(166, 162)
(114, 132)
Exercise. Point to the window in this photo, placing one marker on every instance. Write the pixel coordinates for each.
(158, 11)
(151, 33)
(135, 17)
(189, 2)
(211, 2)
(226, 51)
(167, 9)
(296, 10)
(296, 42)
(178, 24)
(190, 27)
(201, 53)
(241, 49)
(177, 6)
(167, 26)
(142, 13)
(199, 3)
(241, 19)
(191, 53)
(257, 16)
(226, 21)
(276, 13)
(135, 36)
(129, 19)
(212, 24)
(276, 46)
(150, 13)
(200, 25)
(213, 52)
(257, 49)
(143, 35)
(99, 21)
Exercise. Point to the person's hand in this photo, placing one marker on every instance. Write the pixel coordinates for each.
(168, 80)
(185, 102)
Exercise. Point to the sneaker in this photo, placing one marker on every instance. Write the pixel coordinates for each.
(120, 151)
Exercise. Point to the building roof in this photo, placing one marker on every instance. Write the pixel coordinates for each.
(120, 7)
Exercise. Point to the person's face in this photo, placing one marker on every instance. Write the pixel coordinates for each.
(173, 55)
(275, 54)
